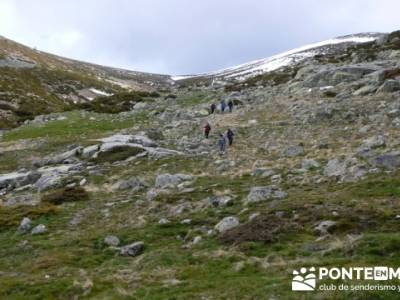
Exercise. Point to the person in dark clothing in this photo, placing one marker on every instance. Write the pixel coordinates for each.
(229, 136)
(223, 105)
(213, 107)
(221, 143)
(230, 105)
(207, 129)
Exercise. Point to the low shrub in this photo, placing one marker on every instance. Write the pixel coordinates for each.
(68, 194)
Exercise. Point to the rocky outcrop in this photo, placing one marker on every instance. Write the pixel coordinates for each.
(164, 181)
(264, 193)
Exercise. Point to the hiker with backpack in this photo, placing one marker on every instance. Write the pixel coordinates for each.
(223, 105)
(229, 136)
(230, 105)
(207, 129)
(221, 143)
(213, 107)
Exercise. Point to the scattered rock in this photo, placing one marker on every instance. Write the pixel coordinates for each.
(264, 193)
(171, 181)
(197, 240)
(389, 86)
(25, 225)
(374, 142)
(133, 249)
(309, 164)
(335, 167)
(163, 221)
(134, 184)
(293, 151)
(263, 172)
(227, 223)
(218, 201)
(325, 227)
(111, 240)
(389, 160)
(39, 229)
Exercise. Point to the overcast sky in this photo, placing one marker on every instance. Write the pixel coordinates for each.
(184, 36)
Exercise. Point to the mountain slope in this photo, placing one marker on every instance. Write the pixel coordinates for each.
(33, 82)
(285, 59)
(140, 205)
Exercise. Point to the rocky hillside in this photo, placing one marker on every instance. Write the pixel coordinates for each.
(34, 83)
(139, 205)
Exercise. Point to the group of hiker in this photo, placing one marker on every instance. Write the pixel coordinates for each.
(222, 137)
(223, 106)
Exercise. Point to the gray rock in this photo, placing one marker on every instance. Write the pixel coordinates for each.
(25, 225)
(389, 86)
(90, 151)
(264, 193)
(151, 194)
(39, 229)
(263, 172)
(389, 160)
(140, 139)
(171, 181)
(15, 180)
(227, 223)
(111, 240)
(325, 227)
(293, 151)
(197, 239)
(50, 181)
(365, 90)
(335, 167)
(135, 184)
(65, 157)
(374, 142)
(218, 201)
(163, 221)
(309, 164)
(133, 249)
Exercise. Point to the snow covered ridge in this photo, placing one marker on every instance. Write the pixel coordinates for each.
(253, 68)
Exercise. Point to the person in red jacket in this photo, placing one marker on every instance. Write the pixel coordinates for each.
(207, 129)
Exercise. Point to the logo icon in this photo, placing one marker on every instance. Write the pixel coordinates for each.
(381, 273)
(305, 280)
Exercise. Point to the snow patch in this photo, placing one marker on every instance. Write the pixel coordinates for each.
(98, 92)
(243, 71)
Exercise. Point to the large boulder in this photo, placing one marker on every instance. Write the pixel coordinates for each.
(171, 181)
(69, 156)
(15, 180)
(264, 193)
(140, 139)
(334, 76)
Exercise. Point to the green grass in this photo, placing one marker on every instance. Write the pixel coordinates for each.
(75, 127)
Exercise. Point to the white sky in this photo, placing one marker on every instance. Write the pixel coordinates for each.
(182, 36)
